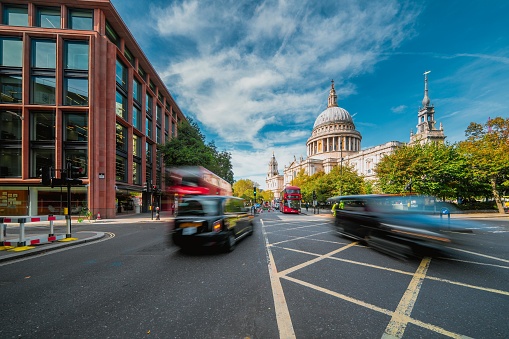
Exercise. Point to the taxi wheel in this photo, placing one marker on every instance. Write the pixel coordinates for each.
(230, 243)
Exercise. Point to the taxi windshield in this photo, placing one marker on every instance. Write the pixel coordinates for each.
(198, 207)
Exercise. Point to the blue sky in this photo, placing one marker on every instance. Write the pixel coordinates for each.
(256, 74)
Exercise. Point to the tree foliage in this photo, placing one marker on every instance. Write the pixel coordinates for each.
(243, 188)
(486, 151)
(339, 181)
(476, 167)
(189, 149)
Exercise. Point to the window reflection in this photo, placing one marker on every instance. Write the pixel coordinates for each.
(120, 168)
(42, 126)
(75, 92)
(43, 90)
(44, 54)
(136, 118)
(136, 173)
(15, 15)
(10, 162)
(121, 105)
(10, 125)
(41, 157)
(136, 146)
(76, 55)
(78, 158)
(121, 137)
(76, 127)
(11, 50)
(81, 19)
(48, 17)
(11, 89)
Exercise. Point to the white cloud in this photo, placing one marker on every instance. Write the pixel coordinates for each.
(399, 109)
(253, 68)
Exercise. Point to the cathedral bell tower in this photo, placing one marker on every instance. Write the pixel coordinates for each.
(426, 129)
(273, 171)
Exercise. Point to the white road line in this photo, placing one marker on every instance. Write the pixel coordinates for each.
(284, 321)
(479, 254)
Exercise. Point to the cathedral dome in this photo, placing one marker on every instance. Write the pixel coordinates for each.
(331, 115)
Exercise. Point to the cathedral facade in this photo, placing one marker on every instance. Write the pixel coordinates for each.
(334, 141)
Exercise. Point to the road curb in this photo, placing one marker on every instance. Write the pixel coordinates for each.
(50, 247)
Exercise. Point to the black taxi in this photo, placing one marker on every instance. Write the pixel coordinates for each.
(211, 220)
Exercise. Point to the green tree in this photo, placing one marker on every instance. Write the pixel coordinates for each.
(486, 151)
(243, 188)
(189, 149)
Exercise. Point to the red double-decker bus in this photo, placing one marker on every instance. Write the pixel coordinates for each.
(290, 199)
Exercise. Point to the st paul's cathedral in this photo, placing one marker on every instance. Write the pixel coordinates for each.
(334, 141)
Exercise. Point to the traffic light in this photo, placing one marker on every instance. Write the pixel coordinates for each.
(46, 175)
(314, 195)
(254, 191)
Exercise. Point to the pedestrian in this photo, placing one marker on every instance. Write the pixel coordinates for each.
(307, 205)
(334, 207)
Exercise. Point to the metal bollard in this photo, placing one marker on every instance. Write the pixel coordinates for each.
(51, 232)
(22, 241)
(157, 213)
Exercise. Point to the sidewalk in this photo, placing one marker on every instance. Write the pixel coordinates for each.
(39, 232)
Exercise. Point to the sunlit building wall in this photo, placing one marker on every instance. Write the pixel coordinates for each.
(75, 87)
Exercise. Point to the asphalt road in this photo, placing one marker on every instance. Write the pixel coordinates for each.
(293, 278)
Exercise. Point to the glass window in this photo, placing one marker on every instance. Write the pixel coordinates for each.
(10, 125)
(158, 135)
(75, 92)
(121, 134)
(76, 127)
(136, 91)
(11, 52)
(152, 86)
(41, 157)
(136, 118)
(159, 114)
(142, 73)
(121, 75)
(148, 105)
(160, 96)
(42, 127)
(76, 55)
(136, 146)
(148, 148)
(129, 56)
(166, 123)
(15, 15)
(136, 173)
(148, 127)
(48, 17)
(43, 90)
(10, 162)
(121, 166)
(121, 105)
(81, 19)
(11, 89)
(44, 53)
(112, 35)
(78, 158)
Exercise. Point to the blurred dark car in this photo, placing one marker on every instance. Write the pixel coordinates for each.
(204, 221)
(397, 225)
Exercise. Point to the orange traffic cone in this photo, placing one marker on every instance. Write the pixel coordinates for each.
(98, 216)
